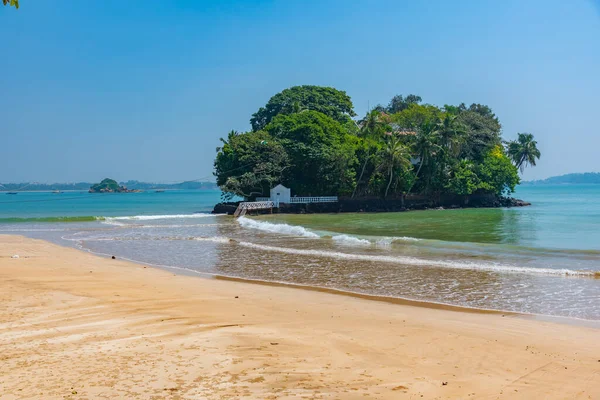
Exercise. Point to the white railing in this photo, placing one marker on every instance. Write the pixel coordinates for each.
(322, 199)
(304, 199)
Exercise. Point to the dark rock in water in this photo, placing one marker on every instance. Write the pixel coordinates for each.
(226, 208)
(511, 202)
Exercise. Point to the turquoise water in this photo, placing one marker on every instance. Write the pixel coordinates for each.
(46, 205)
(543, 259)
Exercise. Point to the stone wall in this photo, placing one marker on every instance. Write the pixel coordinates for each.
(413, 202)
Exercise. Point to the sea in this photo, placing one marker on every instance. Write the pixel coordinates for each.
(542, 260)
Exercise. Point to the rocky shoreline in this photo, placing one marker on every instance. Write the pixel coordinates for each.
(408, 203)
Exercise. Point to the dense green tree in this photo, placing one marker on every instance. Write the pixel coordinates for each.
(463, 178)
(395, 155)
(329, 101)
(321, 152)
(452, 134)
(249, 164)
(524, 151)
(482, 132)
(426, 147)
(416, 116)
(372, 128)
(305, 139)
(399, 103)
(497, 173)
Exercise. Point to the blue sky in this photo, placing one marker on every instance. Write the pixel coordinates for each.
(144, 89)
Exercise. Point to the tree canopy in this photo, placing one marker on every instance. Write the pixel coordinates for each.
(329, 101)
(304, 138)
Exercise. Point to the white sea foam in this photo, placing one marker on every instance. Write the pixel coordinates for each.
(276, 228)
(350, 240)
(423, 262)
(214, 239)
(388, 241)
(153, 217)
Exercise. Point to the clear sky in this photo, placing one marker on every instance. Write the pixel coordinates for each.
(143, 89)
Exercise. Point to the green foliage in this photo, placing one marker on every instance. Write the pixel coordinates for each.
(464, 180)
(14, 3)
(249, 164)
(304, 138)
(399, 103)
(482, 130)
(107, 185)
(417, 116)
(497, 173)
(321, 152)
(329, 101)
(524, 151)
(395, 160)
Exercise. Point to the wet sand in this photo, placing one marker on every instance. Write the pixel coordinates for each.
(74, 325)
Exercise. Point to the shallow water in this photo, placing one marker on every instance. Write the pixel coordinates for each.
(543, 259)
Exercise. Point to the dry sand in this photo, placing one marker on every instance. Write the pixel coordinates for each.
(77, 326)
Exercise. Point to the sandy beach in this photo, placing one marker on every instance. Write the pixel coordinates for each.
(78, 326)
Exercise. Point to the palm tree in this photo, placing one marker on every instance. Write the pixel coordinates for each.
(395, 154)
(426, 147)
(524, 151)
(372, 127)
(232, 134)
(451, 133)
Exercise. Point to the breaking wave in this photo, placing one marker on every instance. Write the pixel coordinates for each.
(153, 217)
(424, 262)
(276, 228)
(350, 240)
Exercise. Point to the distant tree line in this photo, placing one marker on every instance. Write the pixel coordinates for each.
(306, 138)
(586, 178)
(84, 186)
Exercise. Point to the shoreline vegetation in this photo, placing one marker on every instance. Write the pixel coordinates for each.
(306, 139)
(189, 336)
(110, 186)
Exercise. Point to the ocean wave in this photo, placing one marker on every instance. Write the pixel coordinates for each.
(388, 241)
(153, 217)
(276, 228)
(104, 238)
(350, 240)
(424, 262)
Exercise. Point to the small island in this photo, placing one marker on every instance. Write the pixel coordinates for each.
(404, 155)
(110, 186)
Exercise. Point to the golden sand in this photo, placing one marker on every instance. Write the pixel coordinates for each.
(77, 326)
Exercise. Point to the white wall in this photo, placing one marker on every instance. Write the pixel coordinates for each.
(280, 194)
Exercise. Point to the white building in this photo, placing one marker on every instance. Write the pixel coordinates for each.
(280, 194)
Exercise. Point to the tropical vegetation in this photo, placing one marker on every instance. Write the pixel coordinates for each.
(307, 138)
(14, 3)
(108, 186)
